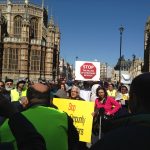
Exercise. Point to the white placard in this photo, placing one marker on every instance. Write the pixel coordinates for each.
(87, 71)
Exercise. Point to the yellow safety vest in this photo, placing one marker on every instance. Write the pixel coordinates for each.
(15, 95)
(125, 96)
(111, 93)
(50, 123)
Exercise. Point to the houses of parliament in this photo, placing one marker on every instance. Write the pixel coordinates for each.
(29, 42)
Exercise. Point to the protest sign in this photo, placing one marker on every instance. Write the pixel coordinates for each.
(81, 113)
(87, 71)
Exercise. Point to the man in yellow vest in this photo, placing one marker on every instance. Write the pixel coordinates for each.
(24, 132)
(19, 91)
(111, 91)
(53, 125)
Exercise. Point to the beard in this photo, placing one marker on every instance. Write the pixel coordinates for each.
(8, 88)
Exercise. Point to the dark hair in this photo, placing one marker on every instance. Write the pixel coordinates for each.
(32, 93)
(101, 88)
(9, 80)
(123, 86)
(111, 84)
(20, 83)
(59, 86)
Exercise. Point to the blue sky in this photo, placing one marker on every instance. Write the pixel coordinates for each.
(90, 28)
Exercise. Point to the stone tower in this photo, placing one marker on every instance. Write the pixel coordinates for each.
(29, 44)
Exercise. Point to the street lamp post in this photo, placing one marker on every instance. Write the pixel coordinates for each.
(133, 71)
(121, 29)
(77, 58)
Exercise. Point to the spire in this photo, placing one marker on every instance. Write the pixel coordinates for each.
(51, 22)
(47, 8)
(57, 28)
(26, 2)
(26, 15)
(51, 13)
(42, 4)
(9, 2)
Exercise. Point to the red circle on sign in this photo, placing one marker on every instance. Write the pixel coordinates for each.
(88, 70)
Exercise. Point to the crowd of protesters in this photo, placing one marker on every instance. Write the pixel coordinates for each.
(32, 104)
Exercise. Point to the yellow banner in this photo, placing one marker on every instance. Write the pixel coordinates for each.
(81, 113)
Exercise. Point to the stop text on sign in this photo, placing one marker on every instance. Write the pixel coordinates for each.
(88, 66)
(71, 107)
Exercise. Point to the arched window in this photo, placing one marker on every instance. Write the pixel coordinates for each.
(34, 28)
(17, 26)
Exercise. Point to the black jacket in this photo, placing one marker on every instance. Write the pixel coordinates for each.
(128, 133)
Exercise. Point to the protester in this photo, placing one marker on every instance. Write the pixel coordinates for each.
(19, 91)
(7, 98)
(55, 126)
(93, 90)
(131, 132)
(111, 91)
(75, 93)
(60, 94)
(63, 83)
(85, 92)
(62, 86)
(122, 97)
(4, 91)
(9, 85)
(109, 104)
(26, 136)
(105, 107)
(2, 85)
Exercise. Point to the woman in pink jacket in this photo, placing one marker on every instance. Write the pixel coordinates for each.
(105, 108)
(108, 104)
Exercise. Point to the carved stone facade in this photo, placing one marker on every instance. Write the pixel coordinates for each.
(146, 67)
(65, 70)
(125, 64)
(103, 71)
(29, 44)
(136, 67)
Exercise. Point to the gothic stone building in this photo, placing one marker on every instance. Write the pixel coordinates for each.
(146, 67)
(29, 44)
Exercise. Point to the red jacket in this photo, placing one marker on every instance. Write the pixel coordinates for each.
(110, 106)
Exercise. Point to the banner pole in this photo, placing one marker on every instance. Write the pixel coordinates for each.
(100, 121)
